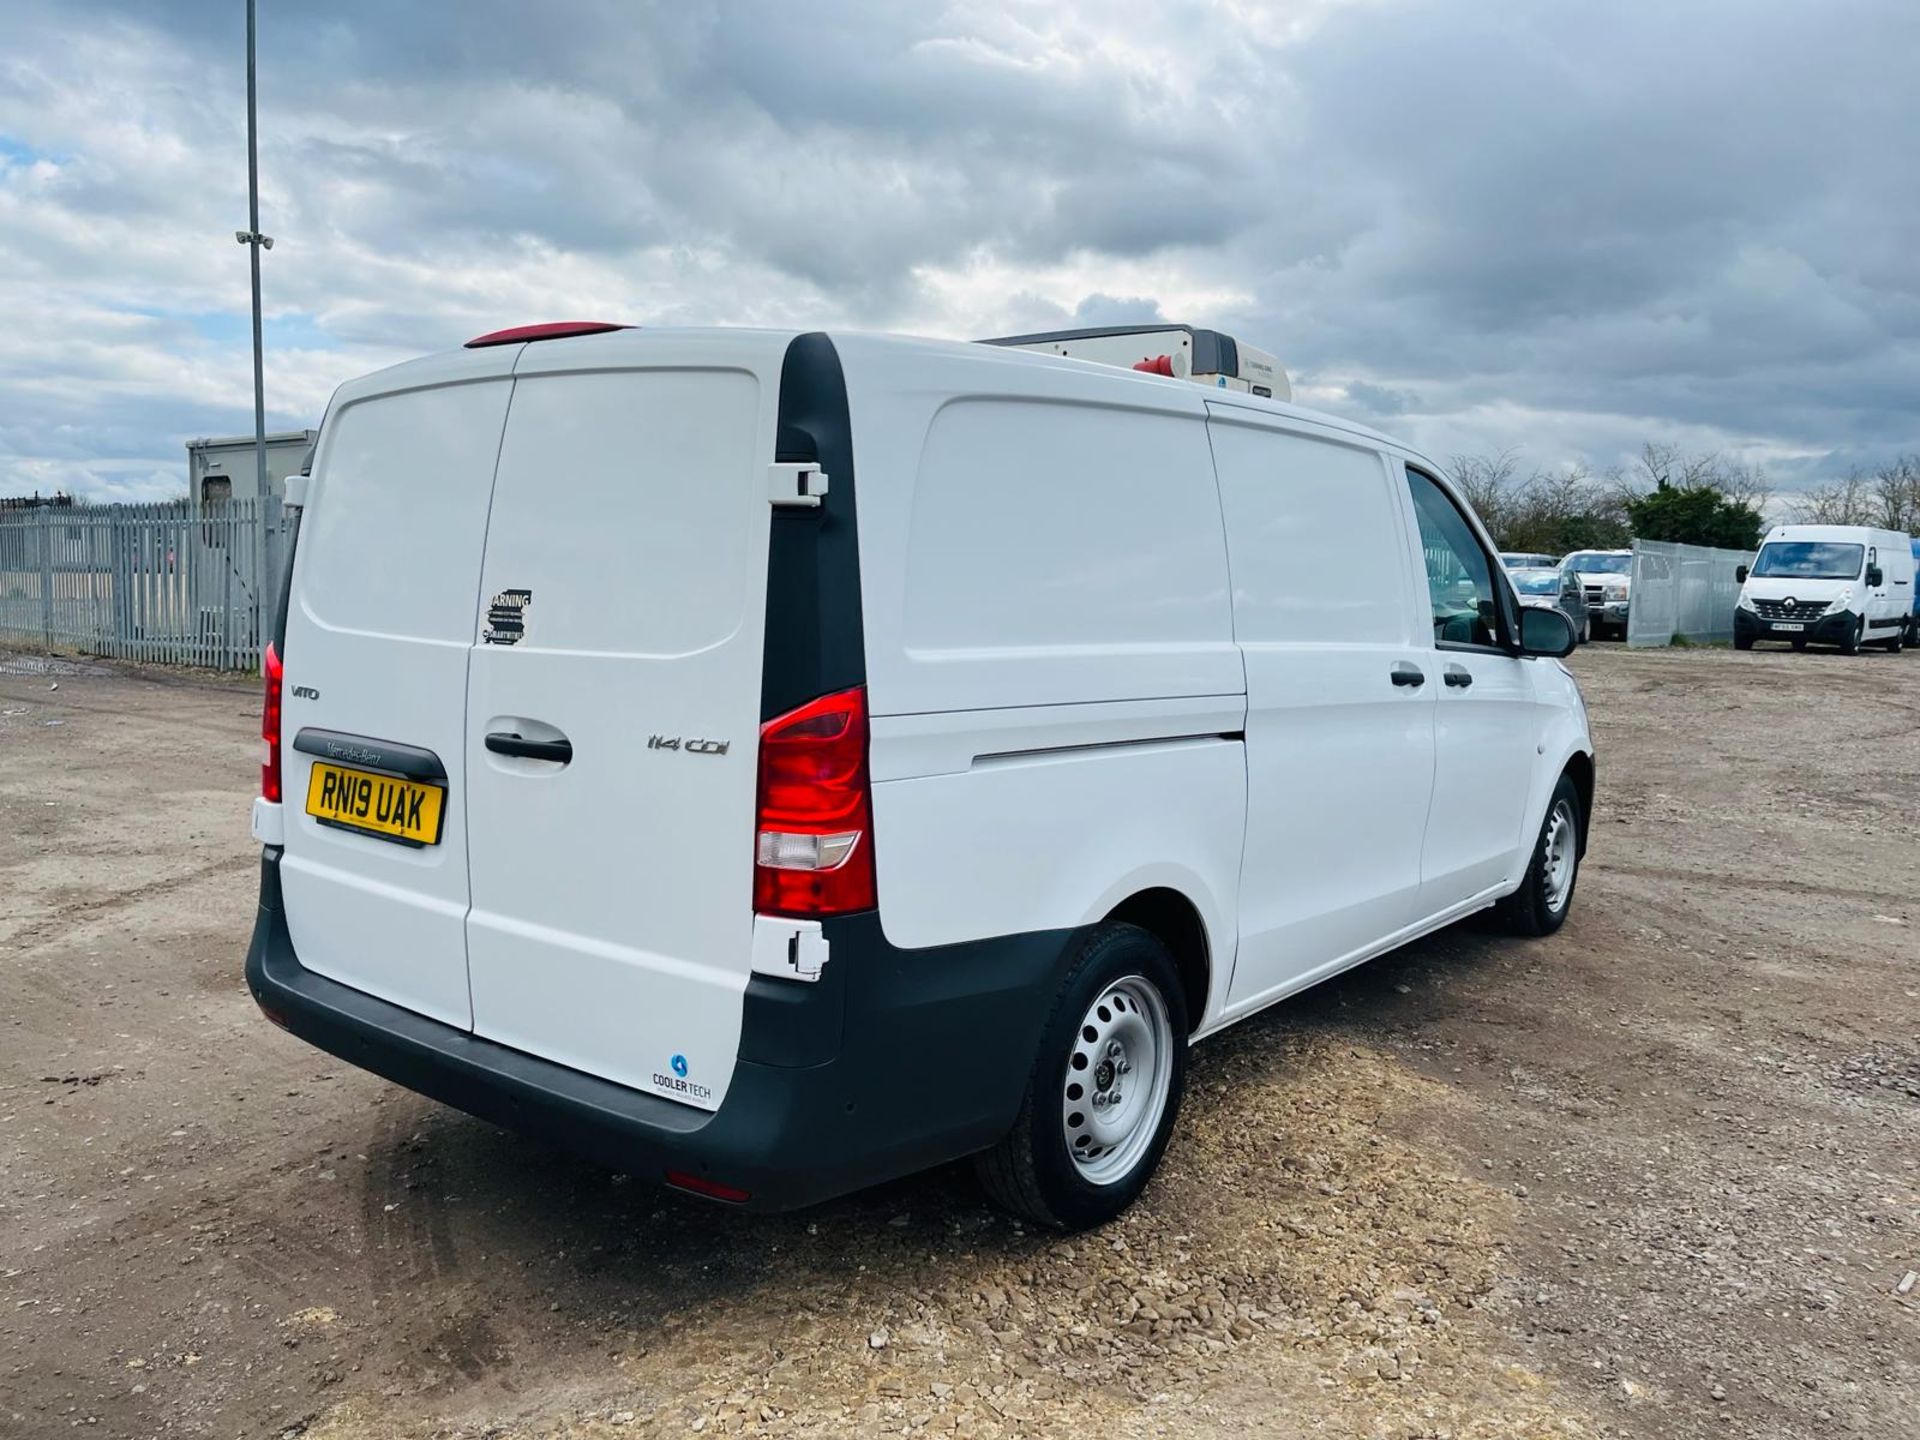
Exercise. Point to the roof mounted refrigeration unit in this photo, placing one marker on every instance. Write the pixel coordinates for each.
(1181, 352)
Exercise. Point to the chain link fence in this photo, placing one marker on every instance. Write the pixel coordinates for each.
(143, 582)
(1682, 592)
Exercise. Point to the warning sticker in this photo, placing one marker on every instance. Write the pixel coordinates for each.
(507, 617)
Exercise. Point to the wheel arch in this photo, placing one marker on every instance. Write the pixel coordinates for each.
(1173, 919)
(1579, 768)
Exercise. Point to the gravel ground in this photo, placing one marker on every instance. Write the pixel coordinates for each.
(1658, 1176)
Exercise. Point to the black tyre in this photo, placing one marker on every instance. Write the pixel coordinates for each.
(1851, 644)
(1799, 644)
(1743, 642)
(1540, 905)
(1897, 641)
(1104, 1091)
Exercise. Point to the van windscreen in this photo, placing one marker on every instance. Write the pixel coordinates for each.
(1810, 559)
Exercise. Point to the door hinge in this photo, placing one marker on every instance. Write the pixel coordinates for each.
(796, 483)
(790, 949)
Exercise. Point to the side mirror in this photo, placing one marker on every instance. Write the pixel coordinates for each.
(1876, 577)
(1545, 632)
(1740, 574)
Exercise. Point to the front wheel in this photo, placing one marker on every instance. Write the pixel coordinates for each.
(1104, 1091)
(1850, 645)
(1743, 642)
(1540, 905)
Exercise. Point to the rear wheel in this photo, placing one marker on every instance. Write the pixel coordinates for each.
(1540, 905)
(1105, 1088)
(1897, 641)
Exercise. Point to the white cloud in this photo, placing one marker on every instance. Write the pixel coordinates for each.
(1566, 229)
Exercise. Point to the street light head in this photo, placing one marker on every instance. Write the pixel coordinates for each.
(240, 237)
(267, 241)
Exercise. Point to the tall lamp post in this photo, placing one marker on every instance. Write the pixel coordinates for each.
(256, 242)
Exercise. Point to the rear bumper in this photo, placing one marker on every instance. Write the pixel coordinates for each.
(1827, 630)
(893, 1062)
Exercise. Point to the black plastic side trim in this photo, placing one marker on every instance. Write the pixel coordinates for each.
(815, 642)
(345, 749)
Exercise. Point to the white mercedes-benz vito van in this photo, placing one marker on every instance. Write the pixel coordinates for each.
(772, 763)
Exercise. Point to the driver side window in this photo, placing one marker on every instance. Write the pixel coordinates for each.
(1459, 572)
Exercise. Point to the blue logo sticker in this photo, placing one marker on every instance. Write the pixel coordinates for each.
(680, 1066)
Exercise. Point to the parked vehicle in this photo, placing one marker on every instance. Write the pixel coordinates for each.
(1555, 590)
(774, 763)
(1913, 625)
(1606, 577)
(1844, 585)
(1528, 560)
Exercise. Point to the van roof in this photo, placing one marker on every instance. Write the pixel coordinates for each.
(501, 358)
(1825, 532)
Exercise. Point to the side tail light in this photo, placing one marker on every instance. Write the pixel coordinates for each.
(270, 672)
(813, 847)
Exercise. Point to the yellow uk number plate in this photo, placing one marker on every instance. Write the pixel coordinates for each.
(405, 810)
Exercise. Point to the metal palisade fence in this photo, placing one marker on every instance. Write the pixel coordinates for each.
(1684, 592)
(153, 583)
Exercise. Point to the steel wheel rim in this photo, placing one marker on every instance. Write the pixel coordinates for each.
(1562, 845)
(1119, 1073)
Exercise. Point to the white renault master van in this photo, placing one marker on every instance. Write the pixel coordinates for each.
(773, 763)
(1844, 585)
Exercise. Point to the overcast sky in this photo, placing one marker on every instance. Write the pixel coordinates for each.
(1566, 228)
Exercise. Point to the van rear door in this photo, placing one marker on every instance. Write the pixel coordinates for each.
(614, 707)
(379, 629)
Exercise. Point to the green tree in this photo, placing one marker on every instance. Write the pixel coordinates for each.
(1548, 511)
(1700, 514)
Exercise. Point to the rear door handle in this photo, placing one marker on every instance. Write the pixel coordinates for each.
(1405, 674)
(501, 742)
(1458, 676)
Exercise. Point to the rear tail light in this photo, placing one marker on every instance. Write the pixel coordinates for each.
(270, 671)
(813, 850)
